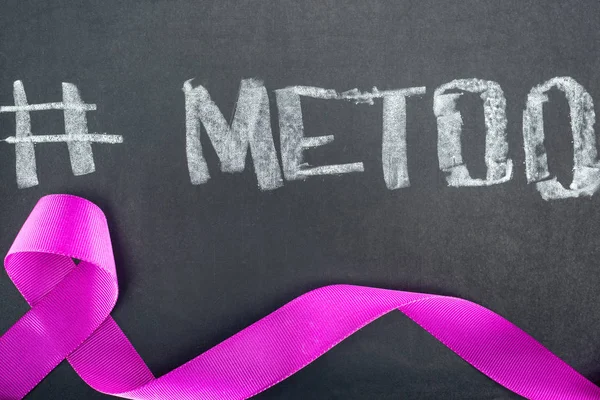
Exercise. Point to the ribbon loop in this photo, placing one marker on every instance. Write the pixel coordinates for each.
(68, 302)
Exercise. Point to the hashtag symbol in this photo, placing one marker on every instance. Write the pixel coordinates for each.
(76, 134)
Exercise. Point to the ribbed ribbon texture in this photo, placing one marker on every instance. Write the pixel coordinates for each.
(70, 319)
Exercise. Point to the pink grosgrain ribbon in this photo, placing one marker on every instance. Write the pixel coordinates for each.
(70, 319)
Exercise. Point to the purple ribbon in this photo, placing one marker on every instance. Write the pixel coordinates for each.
(70, 319)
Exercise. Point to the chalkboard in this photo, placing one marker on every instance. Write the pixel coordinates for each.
(204, 249)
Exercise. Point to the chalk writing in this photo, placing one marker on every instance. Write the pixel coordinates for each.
(76, 133)
(291, 130)
(394, 157)
(251, 127)
(586, 171)
(251, 130)
(449, 122)
(293, 141)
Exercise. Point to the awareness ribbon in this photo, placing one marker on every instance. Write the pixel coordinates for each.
(70, 319)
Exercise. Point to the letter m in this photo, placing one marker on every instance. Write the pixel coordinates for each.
(251, 127)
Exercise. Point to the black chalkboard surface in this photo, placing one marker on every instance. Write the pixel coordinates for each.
(199, 262)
